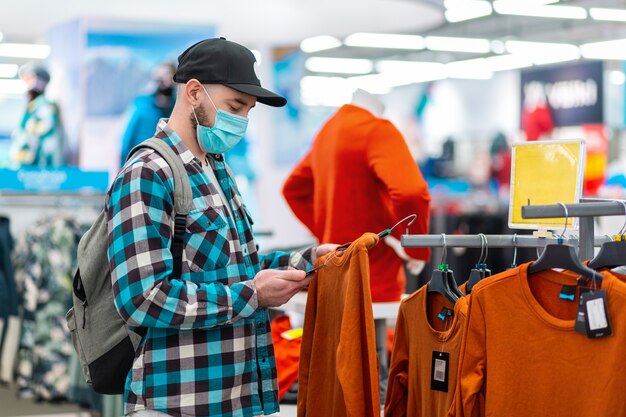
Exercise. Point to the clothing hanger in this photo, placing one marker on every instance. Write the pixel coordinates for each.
(481, 271)
(387, 232)
(612, 254)
(564, 256)
(381, 235)
(440, 281)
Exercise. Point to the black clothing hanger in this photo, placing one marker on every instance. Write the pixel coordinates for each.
(563, 256)
(612, 254)
(481, 271)
(442, 279)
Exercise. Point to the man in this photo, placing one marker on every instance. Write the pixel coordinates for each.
(146, 110)
(38, 139)
(208, 348)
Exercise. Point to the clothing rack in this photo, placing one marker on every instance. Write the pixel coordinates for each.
(587, 211)
(493, 241)
(52, 200)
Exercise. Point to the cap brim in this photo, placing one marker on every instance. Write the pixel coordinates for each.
(263, 96)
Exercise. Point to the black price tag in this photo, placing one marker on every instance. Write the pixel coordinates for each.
(568, 293)
(439, 371)
(597, 314)
(580, 326)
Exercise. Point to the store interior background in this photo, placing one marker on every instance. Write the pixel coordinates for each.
(471, 105)
(431, 90)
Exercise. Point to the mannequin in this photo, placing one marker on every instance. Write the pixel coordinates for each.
(371, 103)
(368, 101)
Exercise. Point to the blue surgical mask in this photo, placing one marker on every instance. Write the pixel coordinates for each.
(225, 134)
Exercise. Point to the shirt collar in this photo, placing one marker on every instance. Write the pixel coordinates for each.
(165, 132)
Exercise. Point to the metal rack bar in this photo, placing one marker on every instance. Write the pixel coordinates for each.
(553, 211)
(493, 241)
(586, 211)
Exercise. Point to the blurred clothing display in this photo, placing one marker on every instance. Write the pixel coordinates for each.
(145, 111)
(38, 140)
(45, 259)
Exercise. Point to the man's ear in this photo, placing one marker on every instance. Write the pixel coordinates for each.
(193, 91)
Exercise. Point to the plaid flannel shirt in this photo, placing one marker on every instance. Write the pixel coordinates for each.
(208, 347)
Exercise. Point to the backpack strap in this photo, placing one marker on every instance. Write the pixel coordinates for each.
(183, 197)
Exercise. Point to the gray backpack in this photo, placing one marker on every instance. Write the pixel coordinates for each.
(105, 344)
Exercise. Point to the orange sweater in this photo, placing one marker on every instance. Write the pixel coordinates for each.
(521, 352)
(338, 373)
(360, 176)
(418, 333)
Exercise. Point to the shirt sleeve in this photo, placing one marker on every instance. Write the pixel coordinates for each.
(301, 260)
(139, 217)
(472, 367)
(401, 177)
(397, 388)
(298, 192)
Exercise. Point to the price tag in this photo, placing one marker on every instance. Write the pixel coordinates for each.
(597, 314)
(440, 371)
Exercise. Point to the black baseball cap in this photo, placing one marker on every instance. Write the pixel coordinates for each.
(218, 61)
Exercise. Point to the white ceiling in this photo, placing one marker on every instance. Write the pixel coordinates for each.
(255, 23)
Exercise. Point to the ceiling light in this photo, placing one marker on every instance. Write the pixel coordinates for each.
(610, 50)
(473, 69)
(615, 15)
(385, 40)
(526, 8)
(339, 65)
(541, 53)
(8, 70)
(12, 87)
(508, 62)
(473, 45)
(617, 77)
(460, 10)
(319, 43)
(24, 50)
(410, 72)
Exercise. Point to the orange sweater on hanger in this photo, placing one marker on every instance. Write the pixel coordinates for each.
(418, 334)
(520, 350)
(360, 176)
(338, 374)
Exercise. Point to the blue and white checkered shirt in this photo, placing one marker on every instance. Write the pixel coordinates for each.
(208, 347)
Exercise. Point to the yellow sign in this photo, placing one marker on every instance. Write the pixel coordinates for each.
(545, 172)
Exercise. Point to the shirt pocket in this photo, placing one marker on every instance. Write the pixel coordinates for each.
(207, 242)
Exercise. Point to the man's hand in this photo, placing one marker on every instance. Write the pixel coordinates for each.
(275, 287)
(322, 250)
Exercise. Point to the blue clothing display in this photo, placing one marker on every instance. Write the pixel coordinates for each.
(143, 116)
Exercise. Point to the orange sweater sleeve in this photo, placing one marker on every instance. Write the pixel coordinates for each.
(405, 185)
(298, 192)
(306, 349)
(397, 388)
(467, 402)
